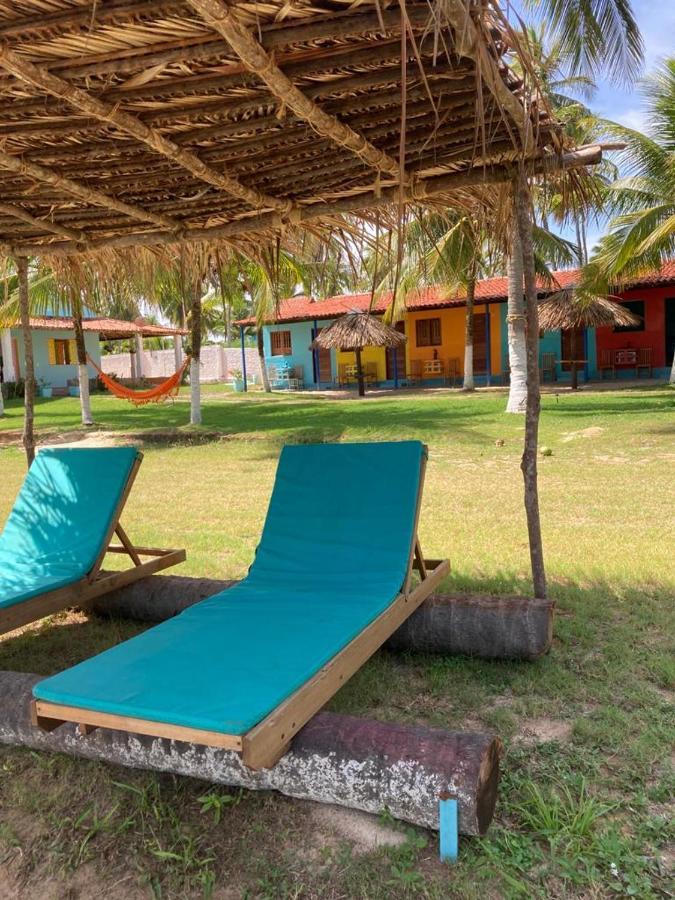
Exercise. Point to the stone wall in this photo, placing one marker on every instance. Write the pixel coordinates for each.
(217, 363)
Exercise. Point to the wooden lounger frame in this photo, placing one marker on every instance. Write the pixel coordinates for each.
(264, 744)
(97, 582)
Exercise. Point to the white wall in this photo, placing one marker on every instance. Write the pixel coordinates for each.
(216, 363)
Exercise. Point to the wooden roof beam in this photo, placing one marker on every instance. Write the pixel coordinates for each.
(45, 175)
(216, 14)
(85, 17)
(88, 105)
(469, 43)
(424, 190)
(16, 212)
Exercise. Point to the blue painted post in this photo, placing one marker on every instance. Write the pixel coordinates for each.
(243, 357)
(448, 827)
(315, 354)
(488, 362)
(395, 352)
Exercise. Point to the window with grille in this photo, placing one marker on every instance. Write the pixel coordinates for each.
(281, 343)
(428, 332)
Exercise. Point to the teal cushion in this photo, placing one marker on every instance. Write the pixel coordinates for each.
(59, 522)
(333, 555)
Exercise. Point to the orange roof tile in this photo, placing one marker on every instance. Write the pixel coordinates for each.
(489, 290)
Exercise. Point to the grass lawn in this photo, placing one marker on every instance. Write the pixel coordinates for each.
(585, 806)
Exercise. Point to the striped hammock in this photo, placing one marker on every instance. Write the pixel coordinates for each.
(156, 394)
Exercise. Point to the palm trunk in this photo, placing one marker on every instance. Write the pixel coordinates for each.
(29, 373)
(529, 459)
(515, 323)
(468, 338)
(82, 373)
(196, 349)
(359, 373)
(672, 370)
(267, 387)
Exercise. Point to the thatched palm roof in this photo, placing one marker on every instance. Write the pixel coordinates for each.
(567, 310)
(356, 330)
(135, 122)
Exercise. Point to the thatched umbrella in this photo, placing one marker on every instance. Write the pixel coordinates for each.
(354, 331)
(565, 310)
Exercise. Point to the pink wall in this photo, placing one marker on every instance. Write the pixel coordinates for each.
(654, 333)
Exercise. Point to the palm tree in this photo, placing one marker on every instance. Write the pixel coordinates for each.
(641, 235)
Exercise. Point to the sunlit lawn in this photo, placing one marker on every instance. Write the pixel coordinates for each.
(604, 693)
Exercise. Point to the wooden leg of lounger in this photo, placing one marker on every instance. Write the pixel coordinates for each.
(85, 729)
(40, 722)
(256, 756)
(126, 543)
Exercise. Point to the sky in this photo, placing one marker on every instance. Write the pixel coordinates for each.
(620, 103)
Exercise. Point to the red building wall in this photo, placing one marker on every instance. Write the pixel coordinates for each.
(654, 332)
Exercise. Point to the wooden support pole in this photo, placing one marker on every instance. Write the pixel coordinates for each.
(528, 463)
(29, 365)
(254, 56)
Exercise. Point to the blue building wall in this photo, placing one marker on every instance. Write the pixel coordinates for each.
(56, 376)
(551, 342)
(301, 355)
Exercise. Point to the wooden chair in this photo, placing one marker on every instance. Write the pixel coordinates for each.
(415, 373)
(606, 364)
(60, 530)
(452, 371)
(370, 372)
(548, 365)
(245, 670)
(644, 361)
(296, 378)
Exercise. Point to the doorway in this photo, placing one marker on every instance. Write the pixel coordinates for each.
(480, 344)
(572, 345)
(396, 354)
(322, 360)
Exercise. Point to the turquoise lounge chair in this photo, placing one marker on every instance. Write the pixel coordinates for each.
(247, 668)
(59, 531)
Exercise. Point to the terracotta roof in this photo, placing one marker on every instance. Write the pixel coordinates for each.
(109, 329)
(489, 290)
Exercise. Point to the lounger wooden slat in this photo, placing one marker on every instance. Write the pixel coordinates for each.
(94, 582)
(262, 741)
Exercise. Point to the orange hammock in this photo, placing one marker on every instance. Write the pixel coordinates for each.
(163, 391)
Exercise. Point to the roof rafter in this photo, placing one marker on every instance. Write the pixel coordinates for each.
(88, 195)
(435, 186)
(219, 17)
(16, 212)
(130, 124)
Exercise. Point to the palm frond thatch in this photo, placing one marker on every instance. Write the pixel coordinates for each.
(356, 330)
(566, 309)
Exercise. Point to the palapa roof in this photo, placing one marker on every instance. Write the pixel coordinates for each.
(488, 290)
(108, 329)
(357, 330)
(564, 310)
(131, 122)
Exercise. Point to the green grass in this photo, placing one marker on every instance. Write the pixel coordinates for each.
(587, 814)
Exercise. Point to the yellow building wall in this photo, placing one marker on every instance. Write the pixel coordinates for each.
(368, 354)
(452, 336)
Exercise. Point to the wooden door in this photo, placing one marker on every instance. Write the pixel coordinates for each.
(670, 330)
(479, 344)
(572, 345)
(398, 354)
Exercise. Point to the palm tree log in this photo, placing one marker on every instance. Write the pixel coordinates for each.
(358, 763)
(466, 624)
(515, 323)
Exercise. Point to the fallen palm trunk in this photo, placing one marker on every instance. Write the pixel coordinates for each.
(489, 627)
(359, 763)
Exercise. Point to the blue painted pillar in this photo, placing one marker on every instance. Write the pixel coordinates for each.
(243, 357)
(448, 828)
(394, 351)
(488, 348)
(315, 354)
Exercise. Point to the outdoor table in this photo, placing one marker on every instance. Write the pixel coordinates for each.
(574, 365)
